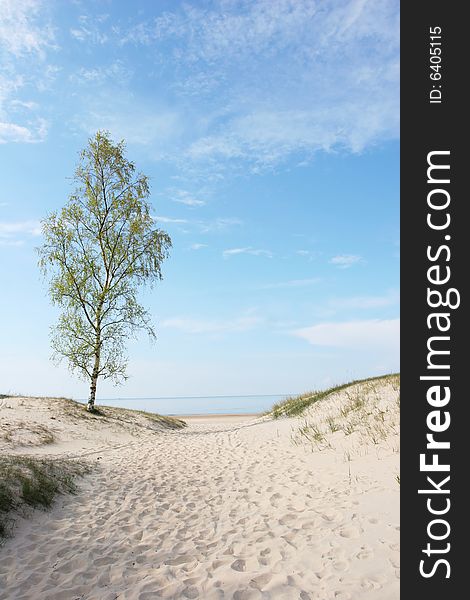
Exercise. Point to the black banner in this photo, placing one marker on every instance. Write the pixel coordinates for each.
(434, 274)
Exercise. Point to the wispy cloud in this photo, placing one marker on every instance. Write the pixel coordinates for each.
(184, 197)
(117, 73)
(344, 55)
(89, 29)
(25, 36)
(308, 254)
(22, 31)
(248, 250)
(198, 246)
(344, 261)
(158, 127)
(205, 326)
(366, 302)
(217, 225)
(357, 335)
(35, 132)
(220, 224)
(170, 220)
(293, 283)
(15, 233)
(12, 243)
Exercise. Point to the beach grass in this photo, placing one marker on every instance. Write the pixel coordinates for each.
(295, 406)
(358, 411)
(78, 410)
(32, 482)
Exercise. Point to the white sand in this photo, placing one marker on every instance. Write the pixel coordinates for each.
(226, 508)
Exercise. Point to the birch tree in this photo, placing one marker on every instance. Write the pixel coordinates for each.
(97, 252)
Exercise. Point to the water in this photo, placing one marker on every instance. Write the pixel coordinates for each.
(198, 405)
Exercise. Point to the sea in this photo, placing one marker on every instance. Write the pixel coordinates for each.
(196, 405)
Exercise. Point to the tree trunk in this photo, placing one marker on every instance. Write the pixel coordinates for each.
(94, 380)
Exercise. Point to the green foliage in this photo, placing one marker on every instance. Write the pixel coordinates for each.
(97, 251)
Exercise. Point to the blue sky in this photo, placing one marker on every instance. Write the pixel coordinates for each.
(269, 130)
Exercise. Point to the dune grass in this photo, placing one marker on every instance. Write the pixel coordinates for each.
(77, 410)
(29, 482)
(296, 405)
(40, 434)
(359, 412)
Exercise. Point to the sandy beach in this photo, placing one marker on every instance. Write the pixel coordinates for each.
(229, 507)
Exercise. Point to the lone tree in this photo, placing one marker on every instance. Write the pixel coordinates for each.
(97, 251)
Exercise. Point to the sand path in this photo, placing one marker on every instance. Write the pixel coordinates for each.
(218, 510)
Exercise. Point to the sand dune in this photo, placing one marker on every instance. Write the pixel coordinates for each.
(221, 509)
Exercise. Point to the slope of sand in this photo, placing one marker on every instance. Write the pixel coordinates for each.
(225, 508)
(58, 426)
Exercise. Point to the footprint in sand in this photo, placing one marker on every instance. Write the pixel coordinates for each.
(191, 592)
(238, 565)
(286, 519)
(371, 583)
(246, 595)
(261, 581)
(395, 560)
(350, 532)
(341, 595)
(289, 537)
(363, 554)
(184, 558)
(341, 565)
(329, 516)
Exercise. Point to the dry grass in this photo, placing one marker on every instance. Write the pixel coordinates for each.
(27, 482)
(15, 433)
(75, 410)
(34, 421)
(295, 406)
(366, 411)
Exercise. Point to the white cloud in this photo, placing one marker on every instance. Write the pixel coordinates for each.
(89, 29)
(21, 29)
(14, 233)
(293, 283)
(21, 104)
(356, 335)
(115, 73)
(344, 261)
(25, 35)
(157, 127)
(308, 254)
(170, 220)
(366, 302)
(219, 225)
(330, 75)
(184, 197)
(248, 250)
(13, 243)
(198, 246)
(202, 326)
(34, 133)
(190, 201)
